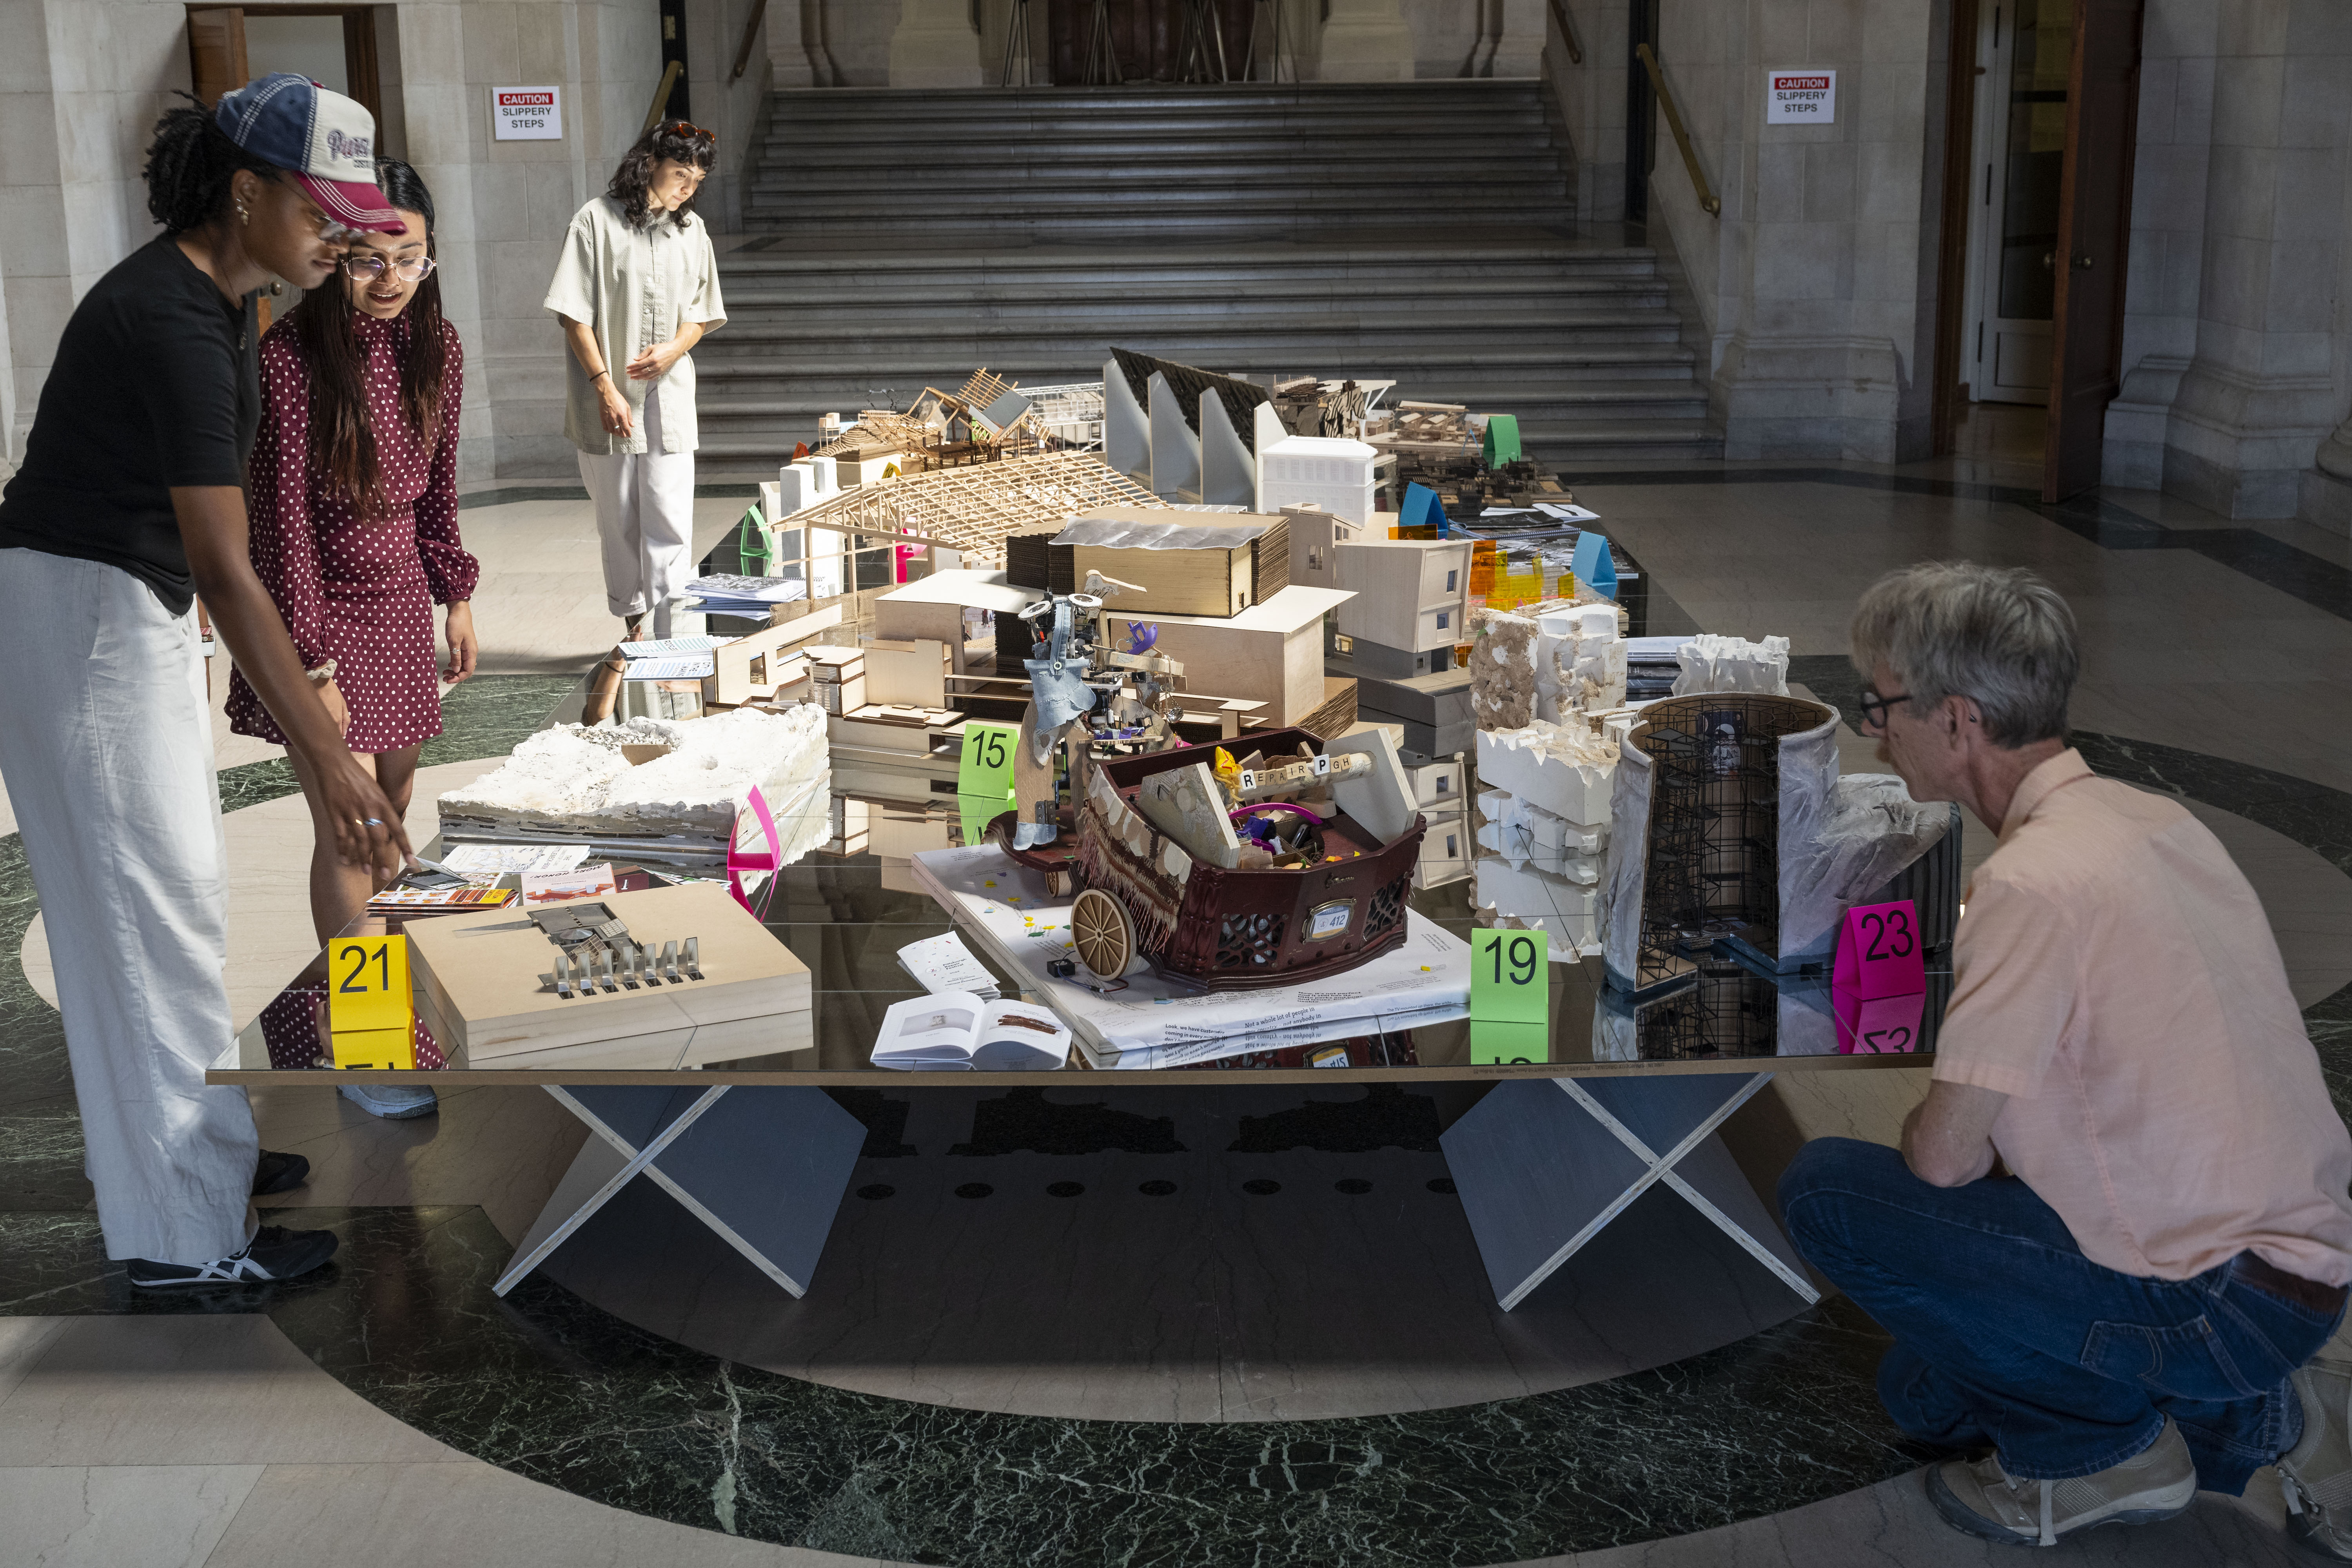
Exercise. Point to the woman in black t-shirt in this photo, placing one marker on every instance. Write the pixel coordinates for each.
(128, 503)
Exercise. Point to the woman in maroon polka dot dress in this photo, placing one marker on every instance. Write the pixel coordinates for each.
(352, 491)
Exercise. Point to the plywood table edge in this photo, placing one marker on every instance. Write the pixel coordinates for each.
(869, 1077)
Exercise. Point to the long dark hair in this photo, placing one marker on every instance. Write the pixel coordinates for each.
(633, 182)
(342, 441)
(189, 166)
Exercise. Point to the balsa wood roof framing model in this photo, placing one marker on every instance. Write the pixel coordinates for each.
(972, 509)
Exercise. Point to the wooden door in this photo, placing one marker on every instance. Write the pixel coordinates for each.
(2093, 240)
(217, 51)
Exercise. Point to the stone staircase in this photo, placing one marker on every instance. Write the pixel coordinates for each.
(1417, 232)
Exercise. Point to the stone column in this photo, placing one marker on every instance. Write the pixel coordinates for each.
(2259, 398)
(1363, 40)
(1521, 27)
(2327, 489)
(788, 51)
(935, 45)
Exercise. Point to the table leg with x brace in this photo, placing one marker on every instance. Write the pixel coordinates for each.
(764, 1168)
(1543, 1164)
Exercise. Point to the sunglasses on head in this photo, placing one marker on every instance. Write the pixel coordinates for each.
(692, 133)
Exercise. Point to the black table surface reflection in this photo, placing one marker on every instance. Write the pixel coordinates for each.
(846, 916)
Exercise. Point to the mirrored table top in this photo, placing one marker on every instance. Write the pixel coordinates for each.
(846, 908)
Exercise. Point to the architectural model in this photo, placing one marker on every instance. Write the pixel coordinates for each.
(663, 978)
(970, 511)
(651, 784)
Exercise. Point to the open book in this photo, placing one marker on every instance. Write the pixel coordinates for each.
(956, 1031)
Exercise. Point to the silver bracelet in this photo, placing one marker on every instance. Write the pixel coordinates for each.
(324, 672)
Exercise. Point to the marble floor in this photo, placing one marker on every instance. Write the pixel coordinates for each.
(974, 1395)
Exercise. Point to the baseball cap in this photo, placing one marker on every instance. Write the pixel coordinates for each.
(327, 141)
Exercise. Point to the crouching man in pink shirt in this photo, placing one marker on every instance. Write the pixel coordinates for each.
(2117, 1230)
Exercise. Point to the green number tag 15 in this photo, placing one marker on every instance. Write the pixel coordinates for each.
(987, 765)
(1510, 976)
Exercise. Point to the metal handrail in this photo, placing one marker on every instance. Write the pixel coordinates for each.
(1560, 15)
(1707, 200)
(661, 95)
(743, 54)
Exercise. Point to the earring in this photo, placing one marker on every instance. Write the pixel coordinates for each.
(242, 215)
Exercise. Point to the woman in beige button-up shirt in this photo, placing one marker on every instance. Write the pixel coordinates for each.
(637, 287)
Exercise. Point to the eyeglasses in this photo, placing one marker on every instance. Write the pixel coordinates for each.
(367, 269)
(329, 230)
(1873, 708)
(692, 133)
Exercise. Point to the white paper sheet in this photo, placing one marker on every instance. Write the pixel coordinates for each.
(1162, 1023)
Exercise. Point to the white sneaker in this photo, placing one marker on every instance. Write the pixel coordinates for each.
(2316, 1473)
(1986, 1501)
(391, 1101)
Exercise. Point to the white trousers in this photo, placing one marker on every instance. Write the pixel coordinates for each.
(106, 743)
(645, 515)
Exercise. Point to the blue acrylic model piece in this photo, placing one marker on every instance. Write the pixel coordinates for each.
(1423, 510)
(1592, 566)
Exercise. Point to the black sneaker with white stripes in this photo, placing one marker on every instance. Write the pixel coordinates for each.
(272, 1255)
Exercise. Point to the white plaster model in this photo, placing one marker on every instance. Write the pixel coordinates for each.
(1520, 895)
(1712, 663)
(573, 781)
(1520, 830)
(1333, 472)
(1560, 770)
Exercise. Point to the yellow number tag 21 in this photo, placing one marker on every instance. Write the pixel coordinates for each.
(371, 1012)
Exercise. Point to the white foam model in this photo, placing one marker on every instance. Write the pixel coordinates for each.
(1228, 472)
(1517, 830)
(1126, 429)
(575, 782)
(1712, 663)
(1552, 768)
(1334, 473)
(1175, 449)
(1520, 895)
(1269, 433)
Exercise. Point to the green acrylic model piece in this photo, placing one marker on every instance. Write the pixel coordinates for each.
(752, 546)
(1502, 440)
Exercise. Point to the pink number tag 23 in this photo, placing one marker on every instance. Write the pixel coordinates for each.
(1879, 952)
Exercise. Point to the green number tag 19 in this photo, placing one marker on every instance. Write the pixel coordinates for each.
(1509, 1044)
(987, 765)
(1510, 976)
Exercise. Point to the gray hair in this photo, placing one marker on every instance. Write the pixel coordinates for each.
(2002, 638)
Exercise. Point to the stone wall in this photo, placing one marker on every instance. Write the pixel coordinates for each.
(82, 83)
(2238, 347)
(504, 205)
(1808, 282)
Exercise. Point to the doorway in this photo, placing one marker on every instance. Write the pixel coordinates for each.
(2040, 135)
(334, 45)
(1148, 37)
(2025, 49)
(1641, 109)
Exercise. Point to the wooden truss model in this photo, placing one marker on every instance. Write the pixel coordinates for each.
(972, 509)
(984, 421)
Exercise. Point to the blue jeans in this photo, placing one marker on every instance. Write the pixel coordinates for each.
(2005, 1334)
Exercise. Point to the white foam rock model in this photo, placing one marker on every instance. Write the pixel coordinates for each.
(1518, 831)
(1713, 663)
(1551, 768)
(1521, 896)
(574, 780)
